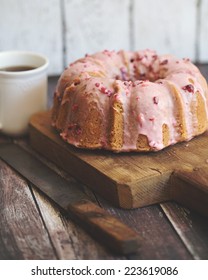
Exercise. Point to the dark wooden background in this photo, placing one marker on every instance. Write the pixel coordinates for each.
(31, 227)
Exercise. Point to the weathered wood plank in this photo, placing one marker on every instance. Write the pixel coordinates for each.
(68, 239)
(22, 232)
(203, 31)
(160, 241)
(95, 25)
(190, 188)
(168, 27)
(191, 227)
(4, 138)
(35, 26)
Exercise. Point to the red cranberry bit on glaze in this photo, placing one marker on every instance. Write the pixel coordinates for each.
(75, 128)
(127, 83)
(151, 119)
(140, 82)
(97, 84)
(64, 136)
(155, 100)
(144, 83)
(107, 52)
(103, 90)
(70, 126)
(74, 107)
(189, 88)
(186, 59)
(106, 91)
(109, 92)
(164, 62)
(78, 130)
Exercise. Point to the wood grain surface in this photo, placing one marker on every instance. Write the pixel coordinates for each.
(105, 228)
(22, 231)
(191, 227)
(190, 188)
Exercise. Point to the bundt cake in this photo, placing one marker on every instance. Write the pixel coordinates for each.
(130, 101)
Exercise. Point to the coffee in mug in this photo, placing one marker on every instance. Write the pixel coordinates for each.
(23, 89)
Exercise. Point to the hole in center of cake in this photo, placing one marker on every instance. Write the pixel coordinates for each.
(138, 75)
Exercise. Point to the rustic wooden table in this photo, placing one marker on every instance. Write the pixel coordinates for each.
(31, 227)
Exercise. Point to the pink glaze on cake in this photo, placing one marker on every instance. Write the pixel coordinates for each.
(148, 93)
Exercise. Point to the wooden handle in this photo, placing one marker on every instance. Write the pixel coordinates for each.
(107, 229)
(190, 188)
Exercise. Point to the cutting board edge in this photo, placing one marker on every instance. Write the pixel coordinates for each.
(120, 194)
(110, 193)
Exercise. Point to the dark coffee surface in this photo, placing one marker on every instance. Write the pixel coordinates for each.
(17, 68)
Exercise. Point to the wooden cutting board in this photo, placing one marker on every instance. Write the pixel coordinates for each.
(131, 180)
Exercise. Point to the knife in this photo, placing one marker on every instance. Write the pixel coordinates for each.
(106, 229)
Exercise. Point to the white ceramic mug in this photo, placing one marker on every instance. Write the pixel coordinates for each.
(22, 92)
